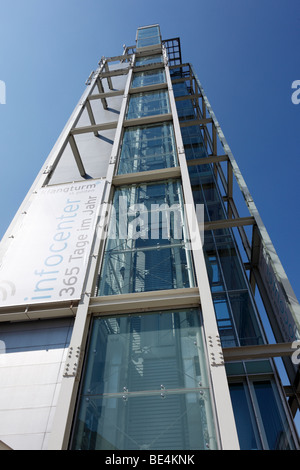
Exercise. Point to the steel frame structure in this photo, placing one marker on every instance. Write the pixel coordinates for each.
(226, 170)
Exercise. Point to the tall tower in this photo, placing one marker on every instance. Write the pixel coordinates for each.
(128, 280)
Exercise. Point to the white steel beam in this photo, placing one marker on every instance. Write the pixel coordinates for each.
(77, 156)
(108, 94)
(143, 121)
(144, 176)
(94, 128)
(146, 301)
(225, 417)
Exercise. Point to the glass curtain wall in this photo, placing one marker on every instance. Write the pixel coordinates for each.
(235, 310)
(149, 77)
(146, 148)
(145, 385)
(148, 36)
(147, 247)
(148, 104)
(259, 397)
(149, 147)
(145, 382)
(260, 416)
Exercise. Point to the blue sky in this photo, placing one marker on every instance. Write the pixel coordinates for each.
(245, 54)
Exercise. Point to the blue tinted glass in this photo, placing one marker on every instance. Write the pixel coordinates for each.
(148, 36)
(225, 322)
(150, 77)
(245, 320)
(153, 59)
(185, 110)
(148, 41)
(244, 418)
(275, 423)
(148, 104)
(193, 143)
(148, 32)
(145, 385)
(148, 148)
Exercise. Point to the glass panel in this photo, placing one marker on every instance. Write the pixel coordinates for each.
(148, 36)
(276, 428)
(148, 41)
(180, 89)
(148, 104)
(185, 110)
(145, 385)
(236, 319)
(258, 367)
(153, 59)
(149, 77)
(146, 245)
(225, 322)
(244, 418)
(248, 330)
(213, 266)
(193, 143)
(148, 148)
(229, 261)
(148, 32)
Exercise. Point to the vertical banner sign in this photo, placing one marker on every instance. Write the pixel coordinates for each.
(277, 298)
(48, 256)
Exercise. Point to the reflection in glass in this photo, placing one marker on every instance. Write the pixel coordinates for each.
(276, 427)
(146, 244)
(148, 104)
(244, 418)
(149, 36)
(246, 323)
(225, 321)
(153, 59)
(260, 419)
(148, 148)
(235, 312)
(145, 385)
(149, 77)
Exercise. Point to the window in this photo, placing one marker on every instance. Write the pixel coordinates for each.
(146, 248)
(193, 143)
(225, 321)
(148, 104)
(244, 418)
(148, 36)
(152, 59)
(148, 148)
(149, 77)
(260, 419)
(145, 385)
